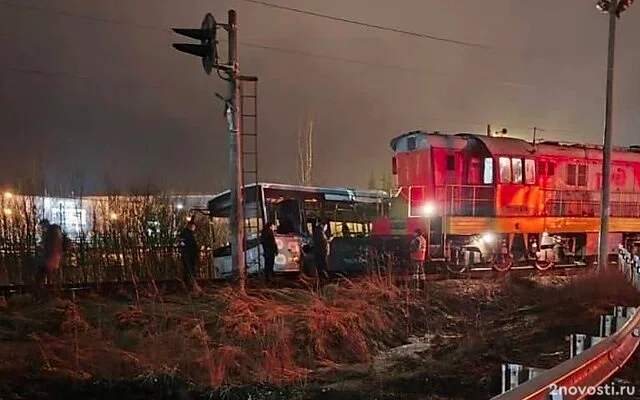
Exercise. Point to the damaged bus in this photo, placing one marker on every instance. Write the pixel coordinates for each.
(294, 210)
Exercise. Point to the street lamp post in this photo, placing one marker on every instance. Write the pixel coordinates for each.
(614, 8)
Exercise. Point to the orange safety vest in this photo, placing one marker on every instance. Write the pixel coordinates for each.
(420, 253)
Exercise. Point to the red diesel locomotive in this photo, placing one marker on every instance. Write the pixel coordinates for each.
(505, 202)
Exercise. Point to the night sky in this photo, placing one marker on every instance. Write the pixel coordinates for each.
(94, 93)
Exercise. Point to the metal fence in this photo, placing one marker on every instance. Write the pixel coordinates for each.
(629, 265)
(597, 364)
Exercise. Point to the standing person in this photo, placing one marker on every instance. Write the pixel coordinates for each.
(418, 252)
(321, 249)
(346, 232)
(269, 249)
(41, 258)
(49, 252)
(189, 255)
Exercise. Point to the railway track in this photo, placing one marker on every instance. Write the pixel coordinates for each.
(288, 281)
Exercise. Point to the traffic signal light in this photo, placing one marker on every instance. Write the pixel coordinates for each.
(207, 49)
(622, 6)
(604, 5)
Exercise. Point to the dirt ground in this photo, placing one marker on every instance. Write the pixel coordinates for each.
(361, 339)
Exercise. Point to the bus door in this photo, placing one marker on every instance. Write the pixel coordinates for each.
(288, 216)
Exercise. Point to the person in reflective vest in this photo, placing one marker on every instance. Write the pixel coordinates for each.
(418, 253)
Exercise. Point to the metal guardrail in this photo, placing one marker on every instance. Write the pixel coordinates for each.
(592, 367)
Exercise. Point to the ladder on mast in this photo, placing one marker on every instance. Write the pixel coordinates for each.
(249, 159)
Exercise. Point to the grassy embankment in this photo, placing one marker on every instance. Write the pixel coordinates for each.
(299, 340)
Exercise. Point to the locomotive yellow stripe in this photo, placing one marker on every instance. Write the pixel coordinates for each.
(475, 225)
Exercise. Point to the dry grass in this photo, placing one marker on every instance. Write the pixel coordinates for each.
(281, 336)
(519, 321)
(268, 336)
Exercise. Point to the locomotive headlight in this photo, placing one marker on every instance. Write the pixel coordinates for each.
(428, 209)
(488, 237)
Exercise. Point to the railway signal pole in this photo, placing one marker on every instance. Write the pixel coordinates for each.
(207, 51)
(614, 8)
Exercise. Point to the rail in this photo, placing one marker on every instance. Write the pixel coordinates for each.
(594, 366)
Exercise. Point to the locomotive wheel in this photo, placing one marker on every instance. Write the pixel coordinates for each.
(457, 264)
(544, 265)
(502, 264)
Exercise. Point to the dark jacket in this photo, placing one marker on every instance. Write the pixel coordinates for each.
(53, 241)
(320, 241)
(188, 245)
(53, 245)
(268, 242)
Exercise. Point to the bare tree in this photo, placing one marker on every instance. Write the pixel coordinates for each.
(386, 182)
(305, 152)
(371, 184)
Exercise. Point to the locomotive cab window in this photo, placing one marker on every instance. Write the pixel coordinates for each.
(505, 169)
(451, 163)
(577, 175)
(542, 167)
(582, 175)
(546, 168)
(516, 167)
(488, 171)
(571, 174)
(411, 143)
(530, 172)
(474, 172)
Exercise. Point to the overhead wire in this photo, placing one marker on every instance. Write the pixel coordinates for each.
(258, 46)
(81, 16)
(370, 25)
(264, 3)
(60, 74)
(284, 50)
(470, 45)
